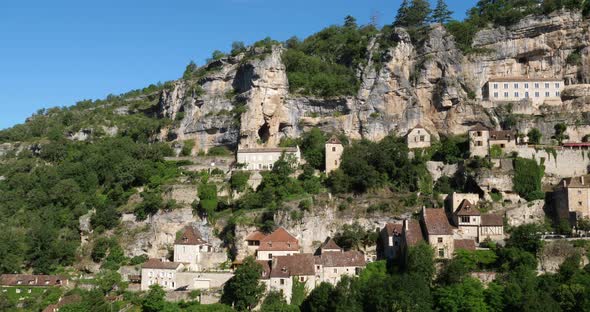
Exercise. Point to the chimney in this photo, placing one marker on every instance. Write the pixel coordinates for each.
(406, 224)
(564, 183)
(423, 211)
(582, 178)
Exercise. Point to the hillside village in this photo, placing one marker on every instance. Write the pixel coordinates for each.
(454, 175)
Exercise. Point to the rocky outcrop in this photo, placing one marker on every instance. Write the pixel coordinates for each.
(432, 83)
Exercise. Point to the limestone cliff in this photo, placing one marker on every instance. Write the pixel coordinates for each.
(431, 82)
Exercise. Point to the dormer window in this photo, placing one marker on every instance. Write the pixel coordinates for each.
(19, 282)
(289, 245)
(284, 270)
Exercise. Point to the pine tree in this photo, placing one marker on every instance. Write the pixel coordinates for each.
(402, 14)
(441, 13)
(350, 22)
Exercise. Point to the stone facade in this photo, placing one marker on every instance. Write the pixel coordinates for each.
(455, 199)
(418, 137)
(334, 150)
(572, 198)
(264, 158)
(391, 238)
(482, 139)
(163, 273)
(516, 89)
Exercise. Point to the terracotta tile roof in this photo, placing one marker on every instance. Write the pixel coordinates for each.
(32, 280)
(576, 144)
(255, 236)
(330, 244)
(333, 140)
(269, 150)
(159, 264)
(436, 222)
(413, 235)
(265, 268)
(280, 239)
(492, 220)
(577, 182)
(467, 244)
(341, 259)
(393, 228)
(294, 265)
(190, 236)
(502, 135)
(467, 209)
(519, 79)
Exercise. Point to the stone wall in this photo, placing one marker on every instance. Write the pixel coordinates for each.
(531, 212)
(559, 162)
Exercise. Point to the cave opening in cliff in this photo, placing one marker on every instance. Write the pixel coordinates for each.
(264, 132)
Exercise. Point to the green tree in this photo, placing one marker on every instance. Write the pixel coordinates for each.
(237, 47)
(441, 13)
(420, 261)
(208, 201)
(275, 302)
(154, 301)
(525, 237)
(402, 14)
(560, 134)
(350, 21)
(239, 180)
(467, 295)
(527, 178)
(534, 136)
(244, 290)
(312, 146)
(319, 299)
(418, 13)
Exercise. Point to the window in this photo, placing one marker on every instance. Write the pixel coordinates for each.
(536, 85)
(547, 94)
(536, 94)
(505, 94)
(502, 145)
(579, 192)
(282, 281)
(302, 279)
(479, 143)
(474, 219)
(557, 85)
(335, 270)
(172, 284)
(526, 85)
(19, 282)
(421, 138)
(479, 133)
(18, 290)
(516, 86)
(495, 86)
(269, 256)
(441, 252)
(579, 203)
(151, 274)
(495, 94)
(161, 274)
(333, 148)
(546, 85)
(557, 93)
(516, 95)
(317, 267)
(526, 95)
(505, 86)
(165, 283)
(336, 162)
(465, 219)
(170, 275)
(439, 239)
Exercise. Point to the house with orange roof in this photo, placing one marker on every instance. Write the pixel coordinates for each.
(438, 232)
(277, 243)
(189, 246)
(160, 272)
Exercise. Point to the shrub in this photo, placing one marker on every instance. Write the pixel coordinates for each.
(527, 178)
(496, 151)
(218, 151)
(187, 148)
(239, 180)
(534, 136)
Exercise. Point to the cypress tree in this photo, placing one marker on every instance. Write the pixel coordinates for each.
(402, 14)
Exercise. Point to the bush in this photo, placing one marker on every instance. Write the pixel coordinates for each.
(527, 179)
(187, 148)
(219, 151)
(239, 180)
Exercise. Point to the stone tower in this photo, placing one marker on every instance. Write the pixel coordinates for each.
(334, 151)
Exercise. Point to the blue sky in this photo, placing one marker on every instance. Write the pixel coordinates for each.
(54, 53)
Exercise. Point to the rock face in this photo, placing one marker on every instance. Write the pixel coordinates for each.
(432, 83)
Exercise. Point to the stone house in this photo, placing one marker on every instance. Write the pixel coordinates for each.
(277, 243)
(391, 240)
(517, 89)
(455, 199)
(328, 266)
(264, 158)
(189, 247)
(482, 139)
(472, 224)
(438, 232)
(23, 286)
(163, 273)
(334, 150)
(572, 198)
(418, 137)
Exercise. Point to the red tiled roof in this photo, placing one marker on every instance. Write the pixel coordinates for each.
(280, 239)
(467, 209)
(479, 127)
(492, 220)
(255, 236)
(333, 140)
(190, 236)
(159, 264)
(436, 222)
(62, 302)
(330, 244)
(467, 244)
(393, 228)
(294, 265)
(583, 144)
(32, 280)
(413, 235)
(341, 259)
